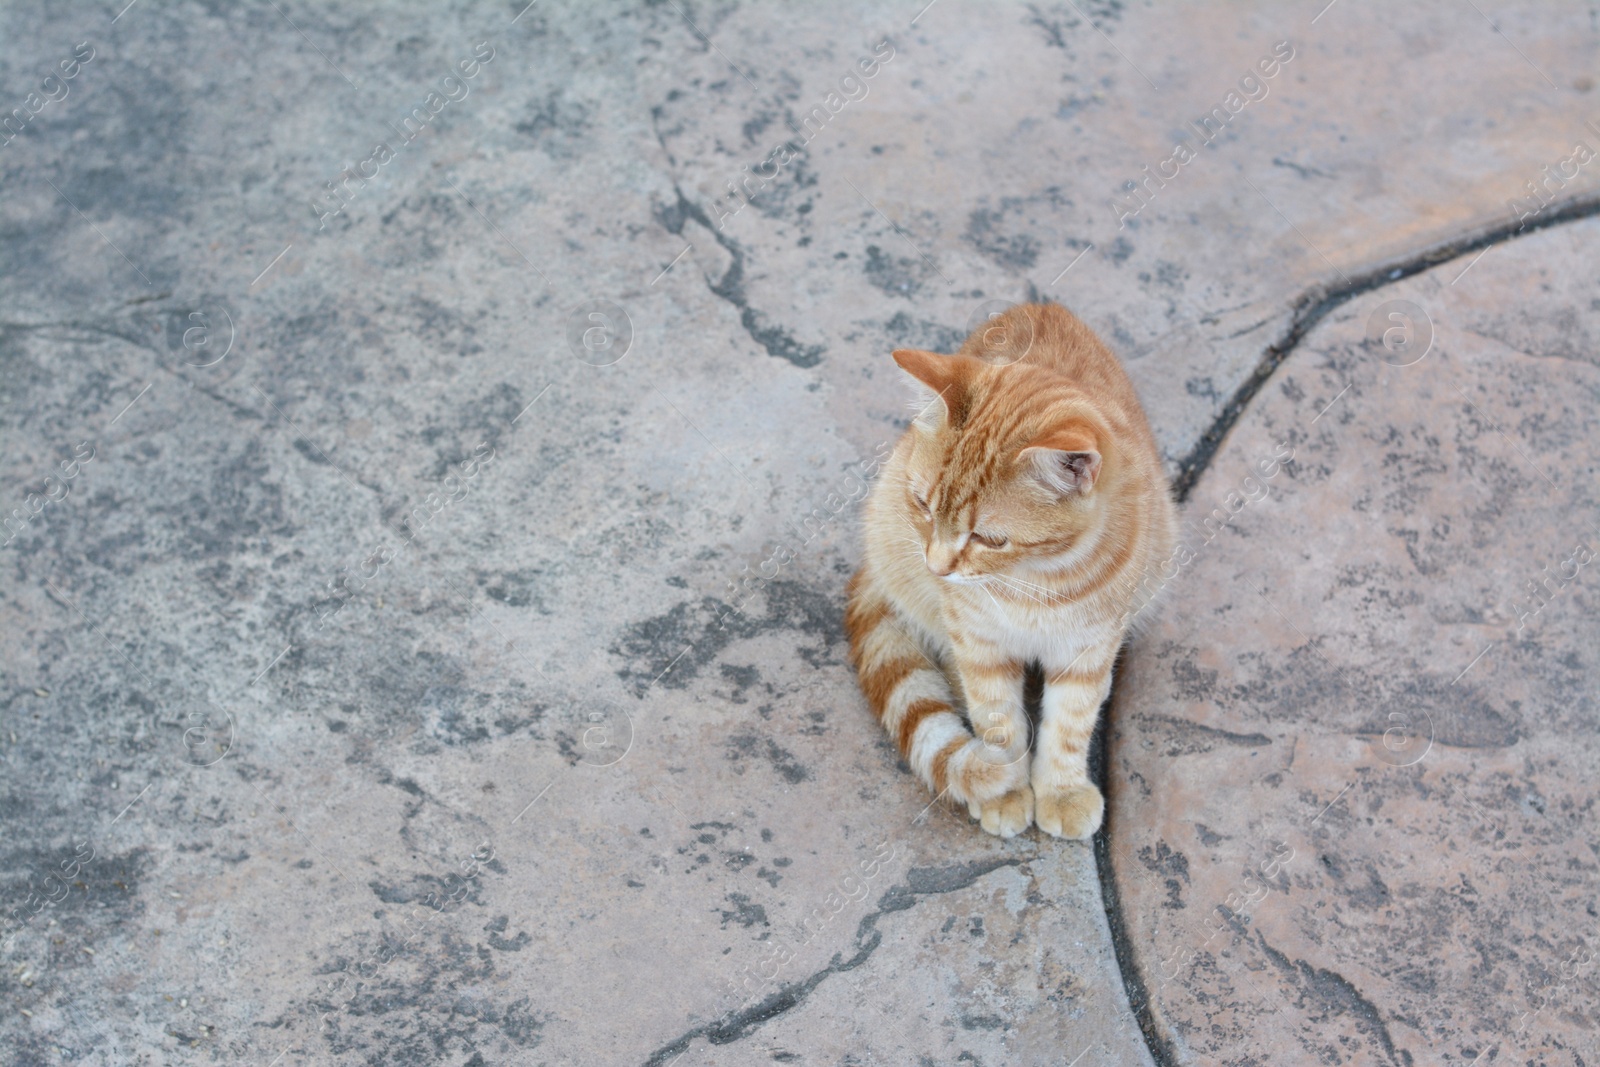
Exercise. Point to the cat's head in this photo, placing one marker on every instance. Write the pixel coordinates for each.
(1008, 467)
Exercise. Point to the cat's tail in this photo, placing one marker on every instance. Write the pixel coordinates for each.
(911, 697)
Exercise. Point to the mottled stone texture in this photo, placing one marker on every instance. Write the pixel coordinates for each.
(394, 672)
(1354, 765)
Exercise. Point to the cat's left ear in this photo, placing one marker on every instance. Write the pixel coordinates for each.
(1066, 461)
(947, 376)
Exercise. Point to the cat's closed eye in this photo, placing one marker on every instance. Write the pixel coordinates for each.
(922, 505)
(990, 540)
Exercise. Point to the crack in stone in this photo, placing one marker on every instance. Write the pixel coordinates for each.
(132, 337)
(138, 340)
(1508, 346)
(1133, 984)
(1317, 302)
(730, 287)
(920, 882)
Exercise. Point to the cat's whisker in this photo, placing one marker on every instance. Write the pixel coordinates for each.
(985, 587)
(1050, 596)
(1012, 584)
(1043, 602)
(1018, 589)
(1030, 585)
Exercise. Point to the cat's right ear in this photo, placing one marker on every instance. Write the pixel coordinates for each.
(946, 379)
(1067, 461)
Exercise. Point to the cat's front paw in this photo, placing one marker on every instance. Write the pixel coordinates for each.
(1073, 813)
(1007, 815)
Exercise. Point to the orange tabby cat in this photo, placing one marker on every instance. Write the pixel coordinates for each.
(1013, 524)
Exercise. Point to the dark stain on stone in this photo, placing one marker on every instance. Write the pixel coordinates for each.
(447, 329)
(1053, 24)
(510, 724)
(1192, 683)
(906, 332)
(1184, 738)
(1171, 866)
(388, 682)
(408, 785)
(896, 275)
(757, 124)
(1018, 251)
(743, 912)
(1330, 993)
(1169, 275)
(675, 646)
(1370, 703)
(778, 341)
(1374, 894)
(496, 927)
(445, 706)
(233, 515)
(556, 124)
(744, 744)
(431, 891)
(310, 452)
(420, 1013)
(1459, 716)
(777, 200)
(1006, 233)
(102, 894)
(742, 678)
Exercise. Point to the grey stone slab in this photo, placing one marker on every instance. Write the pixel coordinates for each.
(539, 555)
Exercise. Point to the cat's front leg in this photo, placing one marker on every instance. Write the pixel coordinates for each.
(1066, 803)
(992, 685)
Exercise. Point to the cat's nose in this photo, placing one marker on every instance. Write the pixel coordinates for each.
(940, 561)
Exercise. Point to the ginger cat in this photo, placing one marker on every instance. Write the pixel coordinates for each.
(1013, 524)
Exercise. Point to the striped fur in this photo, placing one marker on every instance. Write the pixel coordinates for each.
(1019, 520)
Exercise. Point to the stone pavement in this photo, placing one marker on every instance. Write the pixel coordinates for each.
(430, 494)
